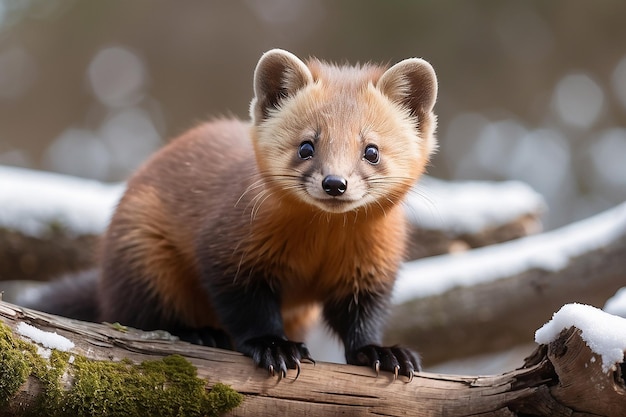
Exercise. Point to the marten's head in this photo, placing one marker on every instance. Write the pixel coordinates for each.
(342, 138)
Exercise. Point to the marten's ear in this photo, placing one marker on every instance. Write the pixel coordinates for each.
(279, 74)
(411, 82)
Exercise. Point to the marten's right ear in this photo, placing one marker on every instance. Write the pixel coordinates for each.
(413, 83)
(279, 74)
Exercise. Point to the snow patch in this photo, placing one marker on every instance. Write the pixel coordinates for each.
(31, 201)
(604, 333)
(44, 352)
(616, 305)
(549, 251)
(470, 206)
(50, 340)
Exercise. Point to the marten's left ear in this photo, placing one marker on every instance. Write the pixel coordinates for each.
(411, 82)
(278, 75)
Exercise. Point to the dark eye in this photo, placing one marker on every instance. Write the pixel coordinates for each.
(306, 150)
(371, 154)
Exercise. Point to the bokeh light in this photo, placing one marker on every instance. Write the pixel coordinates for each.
(117, 77)
(94, 88)
(578, 100)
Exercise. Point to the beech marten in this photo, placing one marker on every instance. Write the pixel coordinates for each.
(237, 233)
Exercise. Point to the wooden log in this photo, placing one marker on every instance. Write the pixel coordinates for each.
(560, 379)
(449, 216)
(50, 223)
(501, 313)
(430, 242)
(51, 254)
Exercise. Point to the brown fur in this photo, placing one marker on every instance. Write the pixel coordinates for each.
(231, 201)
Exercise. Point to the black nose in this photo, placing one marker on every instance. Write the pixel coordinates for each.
(334, 185)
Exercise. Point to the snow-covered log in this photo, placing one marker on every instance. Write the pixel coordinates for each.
(449, 217)
(578, 371)
(492, 298)
(49, 223)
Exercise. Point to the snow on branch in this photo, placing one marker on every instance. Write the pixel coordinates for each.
(492, 298)
(469, 207)
(456, 216)
(605, 334)
(31, 201)
(550, 251)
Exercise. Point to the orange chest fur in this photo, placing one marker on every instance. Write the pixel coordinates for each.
(314, 258)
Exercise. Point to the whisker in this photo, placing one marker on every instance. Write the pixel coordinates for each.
(423, 195)
(382, 208)
(254, 185)
(257, 207)
(254, 203)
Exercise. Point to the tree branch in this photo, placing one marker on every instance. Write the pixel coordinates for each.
(560, 379)
(477, 318)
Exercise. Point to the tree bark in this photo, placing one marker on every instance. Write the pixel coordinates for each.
(430, 242)
(57, 252)
(560, 379)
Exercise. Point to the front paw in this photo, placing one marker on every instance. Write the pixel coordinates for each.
(276, 354)
(399, 360)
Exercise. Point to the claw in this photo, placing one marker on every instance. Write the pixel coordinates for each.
(297, 369)
(411, 374)
(397, 360)
(308, 358)
(277, 355)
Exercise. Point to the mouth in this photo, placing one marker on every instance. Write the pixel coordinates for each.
(343, 203)
(336, 205)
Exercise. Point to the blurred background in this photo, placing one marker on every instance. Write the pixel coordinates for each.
(533, 90)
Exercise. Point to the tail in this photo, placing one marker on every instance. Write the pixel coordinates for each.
(74, 296)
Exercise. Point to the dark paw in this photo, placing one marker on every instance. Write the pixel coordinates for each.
(399, 360)
(276, 354)
(206, 336)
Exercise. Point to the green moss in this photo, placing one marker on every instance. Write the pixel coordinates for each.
(49, 373)
(119, 327)
(13, 369)
(55, 227)
(167, 387)
(222, 398)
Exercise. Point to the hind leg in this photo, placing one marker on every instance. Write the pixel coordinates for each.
(148, 314)
(149, 275)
